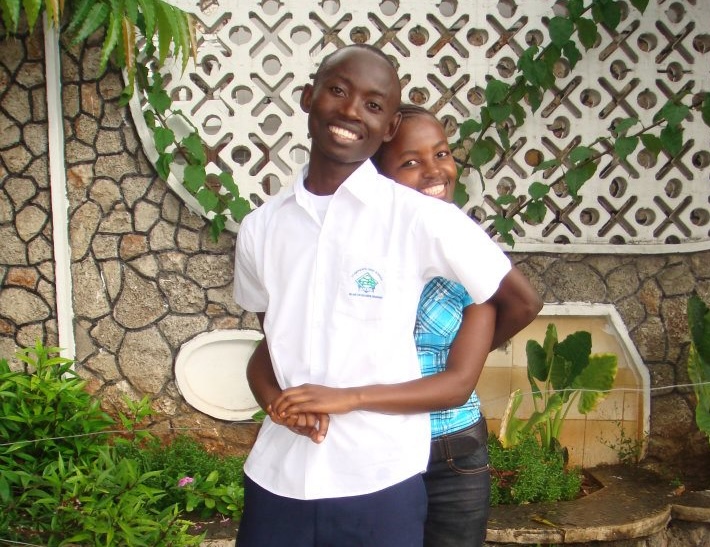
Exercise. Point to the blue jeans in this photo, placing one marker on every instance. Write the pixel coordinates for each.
(459, 494)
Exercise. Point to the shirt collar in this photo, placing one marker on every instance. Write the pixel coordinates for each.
(364, 183)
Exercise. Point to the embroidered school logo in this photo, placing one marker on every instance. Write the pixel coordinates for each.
(367, 283)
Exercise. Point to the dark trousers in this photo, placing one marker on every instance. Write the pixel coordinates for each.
(393, 517)
(459, 493)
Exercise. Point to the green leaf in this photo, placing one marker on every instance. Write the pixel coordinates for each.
(194, 178)
(519, 114)
(572, 53)
(640, 5)
(500, 112)
(461, 196)
(131, 10)
(538, 190)
(95, 18)
(587, 32)
(78, 16)
(699, 326)
(227, 182)
(623, 126)
(546, 165)
(625, 146)
(468, 128)
(504, 138)
(536, 211)
(595, 380)
(206, 198)
(652, 143)
(239, 208)
(561, 30)
(705, 109)
(113, 32)
(148, 10)
(673, 113)
(159, 100)
(496, 91)
(167, 30)
(581, 153)
(506, 199)
(193, 144)
(32, 9)
(163, 165)
(672, 139)
(482, 152)
(607, 12)
(10, 14)
(575, 178)
(534, 97)
(217, 225)
(575, 8)
(164, 138)
(503, 225)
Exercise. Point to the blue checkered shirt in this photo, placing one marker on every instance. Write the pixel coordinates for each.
(438, 320)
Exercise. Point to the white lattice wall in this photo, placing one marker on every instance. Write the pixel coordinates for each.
(255, 55)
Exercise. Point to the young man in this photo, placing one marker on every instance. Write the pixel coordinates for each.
(335, 267)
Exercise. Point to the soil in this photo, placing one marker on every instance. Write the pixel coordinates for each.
(216, 527)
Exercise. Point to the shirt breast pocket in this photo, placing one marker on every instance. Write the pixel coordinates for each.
(363, 288)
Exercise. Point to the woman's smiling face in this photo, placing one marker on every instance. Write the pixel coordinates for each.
(419, 157)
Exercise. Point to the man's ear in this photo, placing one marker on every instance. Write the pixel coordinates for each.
(393, 126)
(306, 97)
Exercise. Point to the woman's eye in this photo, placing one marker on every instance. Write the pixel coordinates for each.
(443, 154)
(409, 163)
(336, 90)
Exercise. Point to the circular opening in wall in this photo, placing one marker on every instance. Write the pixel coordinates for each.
(447, 66)
(359, 35)
(505, 186)
(447, 8)
(701, 43)
(562, 240)
(617, 240)
(645, 216)
(272, 65)
(507, 8)
(476, 96)
(617, 187)
(675, 72)
(701, 159)
(271, 124)
(477, 213)
(590, 97)
(240, 35)
(561, 68)
(646, 159)
(647, 99)
(672, 240)
(589, 216)
(699, 217)
(450, 124)
(647, 42)
(330, 7)
(242, 95)
(418, 35)
(300, 35)
(477, 36)
(673, 188)
(506, 67)
(212, 125)
(181, 93)
(675, 12)
(389, 7)
(299, 154)
(534, 37)
(271, 185)
(418, 95)
(241, 155)
(270, 7)
(618, 69)
(559, 127)
(534, 157)
(210, 65)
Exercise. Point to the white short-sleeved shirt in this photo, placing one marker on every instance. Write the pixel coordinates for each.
(340, 298)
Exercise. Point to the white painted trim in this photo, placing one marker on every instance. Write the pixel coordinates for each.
(586, 309)
(58, 189)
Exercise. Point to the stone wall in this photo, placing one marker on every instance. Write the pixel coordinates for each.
(147, 277)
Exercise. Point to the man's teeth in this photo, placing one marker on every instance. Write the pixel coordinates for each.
(343, 133)
(434, 190)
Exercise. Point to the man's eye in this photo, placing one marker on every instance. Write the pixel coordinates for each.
(374, 106)
(443, 154)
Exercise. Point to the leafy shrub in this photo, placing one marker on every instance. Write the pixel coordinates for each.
(62, 482)
(699, 359)
(527, 472)
(200, 481)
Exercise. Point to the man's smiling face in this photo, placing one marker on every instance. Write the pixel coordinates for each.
(351, 106)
